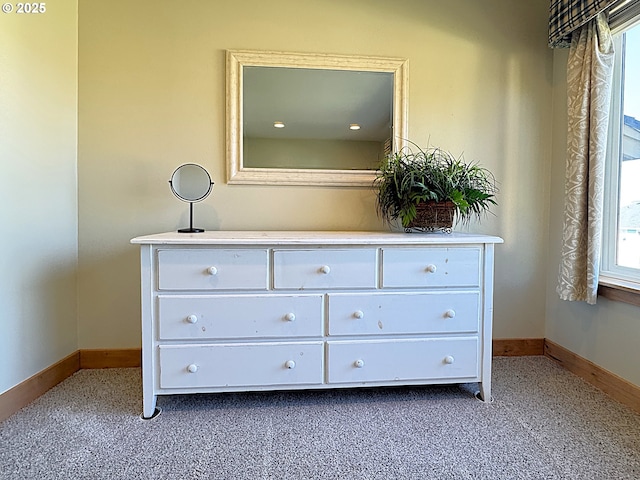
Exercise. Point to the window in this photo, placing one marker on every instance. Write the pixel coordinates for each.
(621, 236)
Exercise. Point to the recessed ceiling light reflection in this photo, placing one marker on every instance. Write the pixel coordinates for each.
(354, 126)
(278, 124)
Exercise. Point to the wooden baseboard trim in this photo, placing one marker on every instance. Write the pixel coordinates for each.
(616, 387)
(27, 391)
(24, 393)
(518, 347)
(100, 358)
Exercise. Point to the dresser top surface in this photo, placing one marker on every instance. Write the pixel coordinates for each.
(265, 237)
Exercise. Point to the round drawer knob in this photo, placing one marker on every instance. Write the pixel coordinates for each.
(358, 363)
(290, 317)
(325, 269)
(358, 314)
(193, 368)
(449, 359)
(431, 268)
(290, 364)
(212, 270)
(192, 319)
(450, 313)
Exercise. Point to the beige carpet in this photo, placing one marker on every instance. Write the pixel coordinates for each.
(544, 423)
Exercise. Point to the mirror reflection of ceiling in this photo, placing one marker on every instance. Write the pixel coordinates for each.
(319, 104)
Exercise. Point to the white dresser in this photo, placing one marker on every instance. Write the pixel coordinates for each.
(234, 311)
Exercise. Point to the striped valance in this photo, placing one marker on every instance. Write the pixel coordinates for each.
(567, 15)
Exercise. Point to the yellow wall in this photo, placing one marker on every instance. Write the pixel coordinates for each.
(152, 96)
(38, 197)
(147, 94)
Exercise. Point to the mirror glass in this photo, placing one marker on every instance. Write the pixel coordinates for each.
(305, 118)
(191, 182)
(302, 119)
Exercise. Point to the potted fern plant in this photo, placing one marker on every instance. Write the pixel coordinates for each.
(427, 188)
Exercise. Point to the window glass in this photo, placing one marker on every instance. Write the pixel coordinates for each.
(621, 234)
(628, 235)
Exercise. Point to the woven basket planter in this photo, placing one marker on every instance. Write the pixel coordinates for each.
(433, 216)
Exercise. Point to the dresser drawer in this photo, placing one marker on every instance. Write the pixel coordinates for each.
(403, 313)
(325, 268)
(237, 365)
(402, 360)
(239, 316)
(431, 267)
(212, 269)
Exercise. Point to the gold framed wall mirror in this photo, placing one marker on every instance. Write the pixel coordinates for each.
(312, 119)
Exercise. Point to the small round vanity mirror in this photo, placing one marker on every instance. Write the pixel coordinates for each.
(191, 183)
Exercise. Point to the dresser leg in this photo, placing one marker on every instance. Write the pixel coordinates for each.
(149, 407)
(485, 392)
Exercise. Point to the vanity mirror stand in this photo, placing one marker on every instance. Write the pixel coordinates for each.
(191, 183)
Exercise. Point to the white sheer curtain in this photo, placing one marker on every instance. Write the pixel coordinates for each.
(589, 73)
